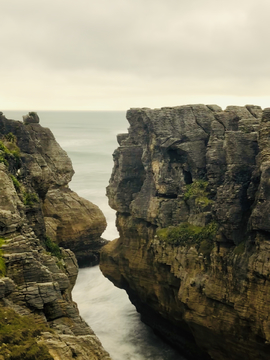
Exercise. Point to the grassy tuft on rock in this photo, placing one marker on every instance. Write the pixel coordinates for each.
(52, 247)
(18, 337)
(16, 183)
(8, 148)
(29, 199)
(187, 234)
(11, 138)
(198, 190)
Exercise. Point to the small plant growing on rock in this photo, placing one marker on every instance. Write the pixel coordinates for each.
(3, 148)
(179, 235)
(29, 199)
(3, 159)
(53, 248)
(11, 138)
(3, 153)
(9, 149)
(198, 190)
(187, 234)
(16, 183)
(18, 337)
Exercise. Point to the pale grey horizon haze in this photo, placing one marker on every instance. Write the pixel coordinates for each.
(113, 55)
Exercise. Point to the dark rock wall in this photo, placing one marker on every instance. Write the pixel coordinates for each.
(217, 296)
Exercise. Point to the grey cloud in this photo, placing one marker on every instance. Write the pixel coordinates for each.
(200, 45)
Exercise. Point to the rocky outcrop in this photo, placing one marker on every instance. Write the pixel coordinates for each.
(36, 276)
(45, 169)
(191, 188)
(74, 223)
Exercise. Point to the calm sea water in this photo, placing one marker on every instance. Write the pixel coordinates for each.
(89, 138)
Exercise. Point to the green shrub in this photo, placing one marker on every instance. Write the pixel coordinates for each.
(198, 190)
(13, 149)
(18, 337)
(11, 138)
(179, 235)
(3, 148)
(52, 247)
(29, 199)
(186, 234)
(9, 149)
(16, 183)
(2, 261)
(3, 159)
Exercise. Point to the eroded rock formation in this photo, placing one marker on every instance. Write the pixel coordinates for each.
(191, 188)
(46, 170)
(33, 282)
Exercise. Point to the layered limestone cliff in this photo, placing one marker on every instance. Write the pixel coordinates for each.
(45, 169)
(191, 188)
(36, 276)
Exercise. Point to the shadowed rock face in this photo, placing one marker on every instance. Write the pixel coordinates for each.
(213, 290)
(35, 283)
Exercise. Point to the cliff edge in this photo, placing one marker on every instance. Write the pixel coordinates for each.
(191, 188)
(38, 318)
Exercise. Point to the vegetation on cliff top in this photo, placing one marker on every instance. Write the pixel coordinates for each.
(185, 233)
(18, 336)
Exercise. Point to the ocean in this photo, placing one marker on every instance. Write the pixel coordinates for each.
(89, 138)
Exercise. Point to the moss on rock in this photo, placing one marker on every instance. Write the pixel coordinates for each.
(18, 337)
(188, 234)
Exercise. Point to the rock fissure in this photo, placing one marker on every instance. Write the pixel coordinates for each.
(195, 118)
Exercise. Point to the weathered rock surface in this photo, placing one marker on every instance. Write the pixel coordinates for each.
(45, 169)
(74, 223)
(213, 291)
(36, 283)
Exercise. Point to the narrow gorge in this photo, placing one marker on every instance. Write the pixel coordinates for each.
(191, 189)
(39, 213)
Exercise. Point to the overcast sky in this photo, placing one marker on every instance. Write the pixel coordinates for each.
(117, 54)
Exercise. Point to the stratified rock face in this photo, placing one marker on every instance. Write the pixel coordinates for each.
(33, 282)
(45, 168)
(191, 189)
(74, 223)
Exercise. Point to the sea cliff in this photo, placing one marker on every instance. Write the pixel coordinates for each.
(38, 212)
(191, 188)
